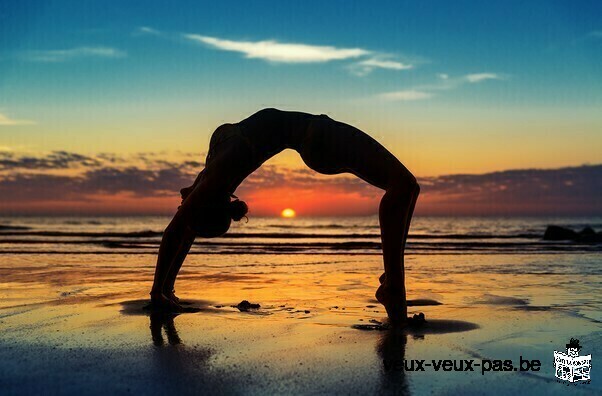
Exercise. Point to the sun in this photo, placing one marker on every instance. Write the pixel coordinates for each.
(288, 213)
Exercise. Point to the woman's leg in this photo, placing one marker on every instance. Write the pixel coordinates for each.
(334, 147)
(170, 246)
(395, 214)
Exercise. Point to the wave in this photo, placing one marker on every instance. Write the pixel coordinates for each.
(323, 247)
(85, 236)
(78, 222)
(13, 228)
(267, 235)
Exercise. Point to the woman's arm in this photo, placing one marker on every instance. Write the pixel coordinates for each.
(178, 259)
(176, 242)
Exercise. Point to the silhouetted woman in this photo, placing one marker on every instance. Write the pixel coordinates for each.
(326, 146)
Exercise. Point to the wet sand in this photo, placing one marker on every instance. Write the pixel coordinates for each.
(77, 325)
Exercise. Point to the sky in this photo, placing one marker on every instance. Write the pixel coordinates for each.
(129, 91)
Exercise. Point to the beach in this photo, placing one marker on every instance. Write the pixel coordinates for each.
(73, 320)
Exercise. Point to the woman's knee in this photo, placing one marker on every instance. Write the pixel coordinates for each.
(405, 183)
(415, 187)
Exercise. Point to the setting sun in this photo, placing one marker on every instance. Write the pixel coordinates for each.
(288, 213)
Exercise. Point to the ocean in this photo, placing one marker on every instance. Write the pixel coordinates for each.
(345, 235)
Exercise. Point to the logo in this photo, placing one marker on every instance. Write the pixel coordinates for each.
(570, 367)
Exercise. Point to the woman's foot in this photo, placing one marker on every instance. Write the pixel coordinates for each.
(160, 301)
(394, 302)
(172, 296)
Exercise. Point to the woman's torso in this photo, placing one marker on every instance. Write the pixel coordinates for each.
(270, 131)
(325, 145)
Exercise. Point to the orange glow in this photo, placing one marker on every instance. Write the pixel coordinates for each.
(288, 213)
(327, 201)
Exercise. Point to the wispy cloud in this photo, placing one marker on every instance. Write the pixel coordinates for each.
(366, 66)
(407, 95)
(7, 121)
(63, 55)
(293, 53)
(478, 77)
(148, 30)
(274, 51)
(444, 82)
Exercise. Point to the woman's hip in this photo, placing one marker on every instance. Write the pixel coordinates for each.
(333, 147)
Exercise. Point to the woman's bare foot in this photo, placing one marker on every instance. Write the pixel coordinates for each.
(394, 302)
(160, 301)
(172, 296)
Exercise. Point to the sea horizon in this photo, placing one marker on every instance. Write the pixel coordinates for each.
(300, 235)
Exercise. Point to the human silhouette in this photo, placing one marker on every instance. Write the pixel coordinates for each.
(326, 146)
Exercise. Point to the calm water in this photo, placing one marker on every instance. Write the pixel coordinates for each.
(352, 235)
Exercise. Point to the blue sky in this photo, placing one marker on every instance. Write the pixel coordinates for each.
(501, 84)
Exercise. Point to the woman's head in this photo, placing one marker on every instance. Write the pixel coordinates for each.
(238, 209)
(213, 219)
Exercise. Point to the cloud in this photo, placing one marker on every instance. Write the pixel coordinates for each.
(66, 176)
(447, 82)
(366, 66)
(148, 31)
(273, 51)
(63, 55)
(294, 53)
(385, 64)
(479, 77)
(444, 83)
(6, 121)
(64, 179)
(407, 95)
(54, 160)
(563, 191)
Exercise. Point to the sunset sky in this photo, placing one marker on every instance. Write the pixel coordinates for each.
(108, 107)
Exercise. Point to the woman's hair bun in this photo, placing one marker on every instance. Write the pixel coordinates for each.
(238, 209)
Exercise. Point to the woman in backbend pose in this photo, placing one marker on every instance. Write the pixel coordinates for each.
(326, 146)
